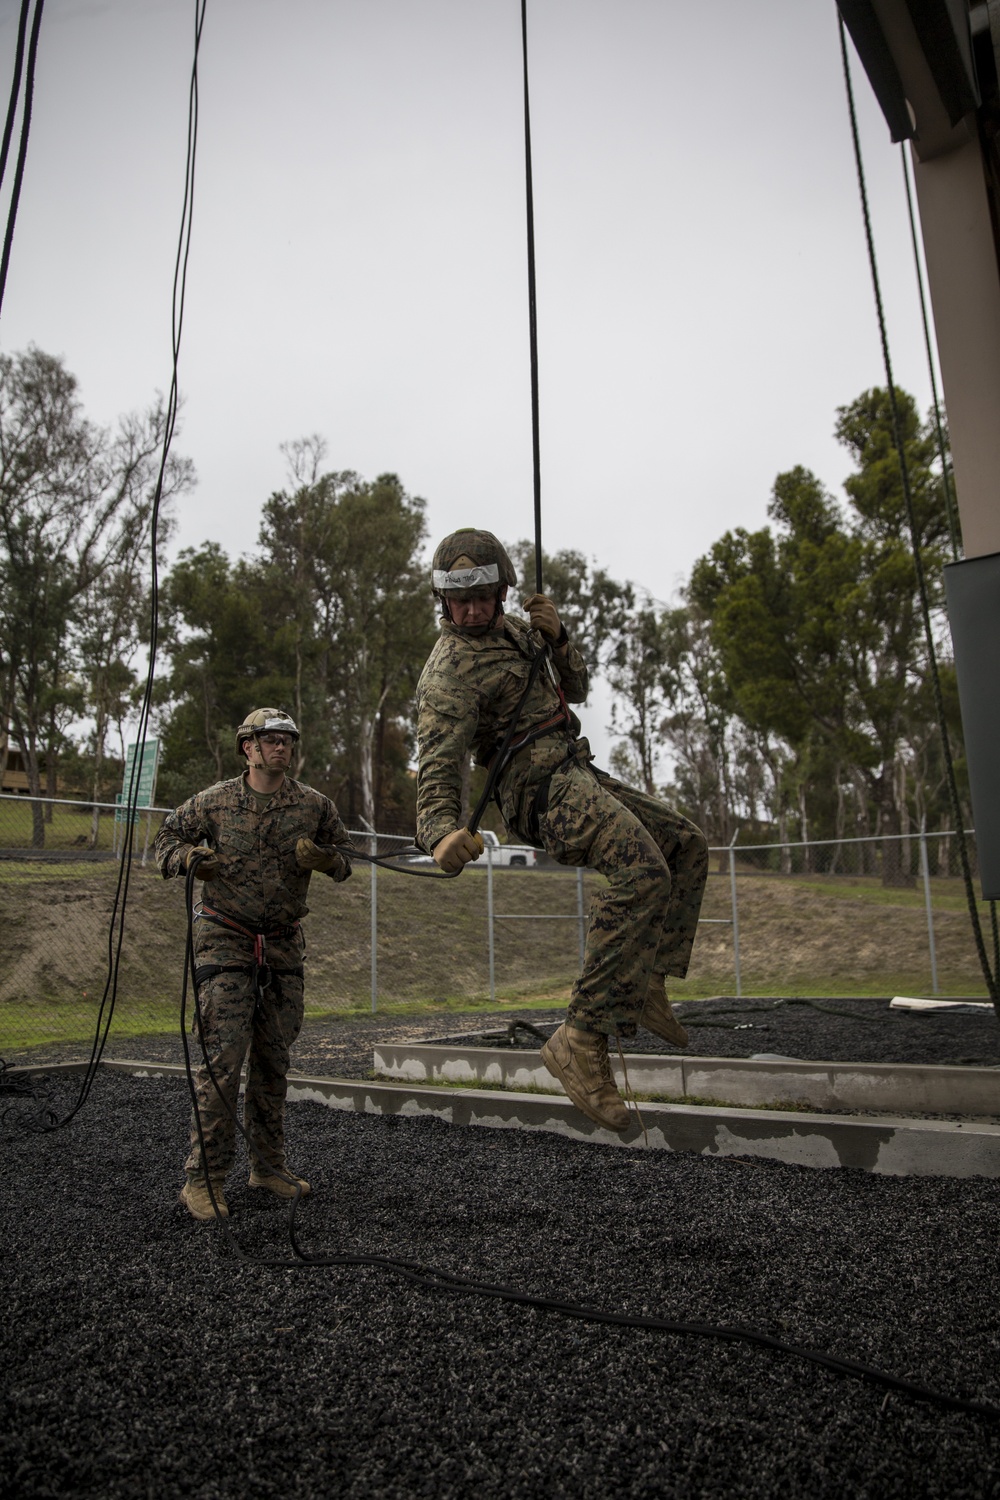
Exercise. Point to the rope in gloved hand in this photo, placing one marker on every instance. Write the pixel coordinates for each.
(498, 765)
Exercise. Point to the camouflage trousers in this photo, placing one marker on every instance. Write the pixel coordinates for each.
(643, 922)
(239, 1024)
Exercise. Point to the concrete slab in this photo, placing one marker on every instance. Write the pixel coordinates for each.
(893, 1088)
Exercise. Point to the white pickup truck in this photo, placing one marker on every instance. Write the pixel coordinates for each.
(505, 854)
(501, 855)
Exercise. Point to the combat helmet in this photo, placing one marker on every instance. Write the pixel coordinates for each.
(484, 568)
(262, 720)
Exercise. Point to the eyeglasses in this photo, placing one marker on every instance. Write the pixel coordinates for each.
(275, 739)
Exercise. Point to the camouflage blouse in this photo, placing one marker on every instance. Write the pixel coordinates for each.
(467, 693)
(259, 882)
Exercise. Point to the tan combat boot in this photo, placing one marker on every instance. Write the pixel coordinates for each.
(657, 1016)
(283, 1186)
(579, 1059)
(194, 1196)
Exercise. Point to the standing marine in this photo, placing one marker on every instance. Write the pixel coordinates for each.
(487, 672)
(257, 839)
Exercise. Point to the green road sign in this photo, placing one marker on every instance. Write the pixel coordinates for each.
(146, 776)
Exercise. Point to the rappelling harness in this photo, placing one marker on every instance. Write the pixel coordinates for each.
(511, 744)
(261, 971)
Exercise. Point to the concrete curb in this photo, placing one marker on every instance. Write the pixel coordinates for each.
(897, 1088)
(892, 1146)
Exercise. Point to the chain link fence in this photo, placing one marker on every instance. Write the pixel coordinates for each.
(850, 917)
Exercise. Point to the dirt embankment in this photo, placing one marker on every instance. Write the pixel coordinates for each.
(433, 939)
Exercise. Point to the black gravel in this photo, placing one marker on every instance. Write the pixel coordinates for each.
(829, 1030)
(833, 1030)
(143, 1357)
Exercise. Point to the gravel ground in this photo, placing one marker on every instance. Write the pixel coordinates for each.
(145, 1357)
(832, 1030)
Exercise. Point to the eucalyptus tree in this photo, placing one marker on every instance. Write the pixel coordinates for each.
(218, 644)
(387, 619)
(817, 621)
(345, 555)
(643, 678)
(76, 502)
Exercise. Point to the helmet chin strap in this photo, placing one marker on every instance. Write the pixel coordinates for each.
(260, 764)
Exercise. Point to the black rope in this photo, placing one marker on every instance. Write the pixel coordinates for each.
(703, 1017)
(502, 755)
(19, 1087)
(432, 1279)
(946, 475)
(532, 310)
(15, 87)
(22, 150)
(942, 445)
(390, 862)
(918, 564)
(116, 923)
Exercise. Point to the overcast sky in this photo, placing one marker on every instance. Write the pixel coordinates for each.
(358, 263)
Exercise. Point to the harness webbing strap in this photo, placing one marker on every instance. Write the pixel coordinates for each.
(501, 756)
(269, 934)
(534, 733)
(260, 969)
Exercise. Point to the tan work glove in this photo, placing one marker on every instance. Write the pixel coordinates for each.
(456, 849)
(309, 856)
(542, 613)
(208, 867)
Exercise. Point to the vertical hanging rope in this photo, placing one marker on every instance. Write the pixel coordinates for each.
(15, 86)
(116, 925)
(22, 150)
(942, 445)
(918, 562)
(532, 315)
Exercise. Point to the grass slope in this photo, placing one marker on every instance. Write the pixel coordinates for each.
(797, 936)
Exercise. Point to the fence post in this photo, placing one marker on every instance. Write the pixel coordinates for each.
(926, 872)
(489, 921)
(736, 917)
(374, 926)
(581, 919)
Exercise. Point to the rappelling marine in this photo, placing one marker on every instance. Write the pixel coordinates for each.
(487, 670)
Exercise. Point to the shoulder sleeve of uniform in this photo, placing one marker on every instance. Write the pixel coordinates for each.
(447, 720)
(181, 829)
(330, 829)
(574, 678)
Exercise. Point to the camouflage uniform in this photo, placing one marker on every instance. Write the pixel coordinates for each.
(261, 888)
(643, 922)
